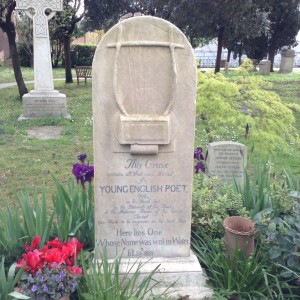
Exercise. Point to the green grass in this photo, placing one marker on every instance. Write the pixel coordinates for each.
(7, 74)
(32, 162)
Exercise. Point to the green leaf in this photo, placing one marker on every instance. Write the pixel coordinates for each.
(87, 296)
(275, 252)
(18, 295)
(297, 242)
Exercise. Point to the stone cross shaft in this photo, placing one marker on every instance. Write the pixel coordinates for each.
(43, 78)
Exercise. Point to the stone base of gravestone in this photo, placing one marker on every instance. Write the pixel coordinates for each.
(41, 104)
(182, 276)
(287, 61)
(264, 67)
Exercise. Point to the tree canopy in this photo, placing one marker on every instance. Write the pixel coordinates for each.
(198, 19)
(283, 25)
(64, 26)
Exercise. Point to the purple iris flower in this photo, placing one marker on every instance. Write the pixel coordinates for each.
(198, 154)
(82, 157)
(200, 167)
(83, 173)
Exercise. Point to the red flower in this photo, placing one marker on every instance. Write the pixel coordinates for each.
(32, 260)
(75, 270)
(53, 254)
(56, 243)
(75, 245)
(34, 244)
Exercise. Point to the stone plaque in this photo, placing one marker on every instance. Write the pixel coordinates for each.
(227, 161)
(44, 105)
(144, 90)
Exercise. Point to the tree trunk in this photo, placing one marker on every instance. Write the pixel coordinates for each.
(228, 55)
(11, 35)
(219, 51)
(271, 56)
(67, 49)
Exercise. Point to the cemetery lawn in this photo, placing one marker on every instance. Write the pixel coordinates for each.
(7, 74)
(32, 162)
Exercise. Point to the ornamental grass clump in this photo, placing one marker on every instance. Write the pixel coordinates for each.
(50, 272)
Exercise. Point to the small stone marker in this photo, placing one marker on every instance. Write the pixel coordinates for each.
(43, 101)
(265, 67)
(227, 161)
(226, 69)
(287, 61)
(144, 91)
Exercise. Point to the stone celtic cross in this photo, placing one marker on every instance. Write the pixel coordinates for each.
(43, 79)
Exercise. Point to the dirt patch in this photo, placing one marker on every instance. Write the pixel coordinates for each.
(45, 132)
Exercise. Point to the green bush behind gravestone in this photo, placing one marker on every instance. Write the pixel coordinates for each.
(82, 55)
(24, 55)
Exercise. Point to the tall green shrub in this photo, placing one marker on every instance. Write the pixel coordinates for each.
(82, 55)
(25, 55)
(225, 107)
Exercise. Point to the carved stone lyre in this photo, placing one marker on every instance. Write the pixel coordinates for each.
(145, 106)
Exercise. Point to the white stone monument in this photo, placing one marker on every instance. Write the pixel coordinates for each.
(43, 101)
(144, 91)
(287, 61)
(264, 67)
(226, 160)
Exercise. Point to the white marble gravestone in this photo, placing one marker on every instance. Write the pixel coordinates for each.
(144, 90)
(43, 101)
(226, 160)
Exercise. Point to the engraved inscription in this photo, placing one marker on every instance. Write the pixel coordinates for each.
(226, 161)
(144, 206)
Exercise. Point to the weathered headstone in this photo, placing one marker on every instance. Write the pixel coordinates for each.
(43, 101)
(227, 161)
(287, 61)
(264, 67)
(4, 49)
(144, 89)
(226, 69)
